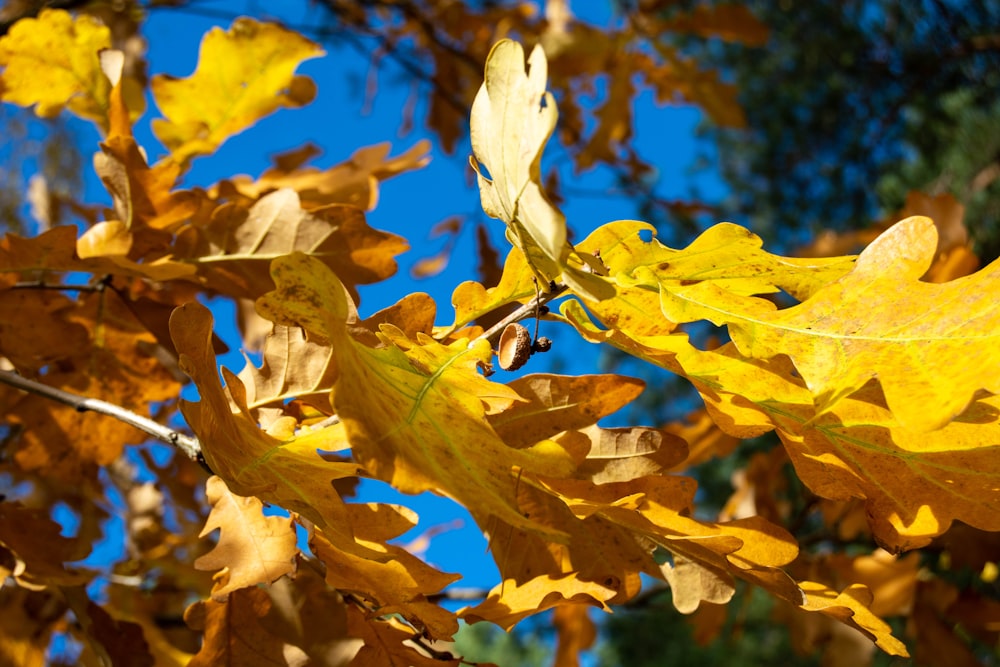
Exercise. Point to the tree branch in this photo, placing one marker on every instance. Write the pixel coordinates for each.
(525, 311)
(187, 444)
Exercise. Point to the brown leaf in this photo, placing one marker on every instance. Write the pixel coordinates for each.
(235, 632)
(34, 543)
(233, 250)
(252, 548)
(355, 181)
(397, 583)
(29, 619)
(118, 643)
(387, 643)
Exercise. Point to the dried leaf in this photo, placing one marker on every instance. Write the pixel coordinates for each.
(233, 250)
(252, 548)
(235, 632)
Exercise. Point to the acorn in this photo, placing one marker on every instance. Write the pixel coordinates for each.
(515, 347)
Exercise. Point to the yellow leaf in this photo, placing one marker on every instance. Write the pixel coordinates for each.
(915, 483)
(725, 255)
(472, 301)
(873, 322)
(510, 603)
(851, 607)
(52, 62)
(288, 473)
(252, 548)
(243, 74)
(105, 239)
(512, 119)
(398, 583)
(414, 411)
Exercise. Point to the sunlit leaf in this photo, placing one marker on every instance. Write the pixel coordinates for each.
(512, 119)
(51, 62)
(252, 548)
(243, 74)
(414, 410)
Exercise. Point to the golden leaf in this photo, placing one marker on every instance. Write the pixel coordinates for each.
(289, 473)
(243, 74)
(52, 62)
(398, 583)
(873, 322)
(414, 411)
(509, 603)
(851, 607)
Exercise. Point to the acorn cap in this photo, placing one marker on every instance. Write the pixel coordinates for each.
(515, 347)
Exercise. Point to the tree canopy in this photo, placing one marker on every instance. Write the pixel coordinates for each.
(871, 530)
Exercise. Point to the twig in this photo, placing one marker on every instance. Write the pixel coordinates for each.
(95, 287)
(527, 310)
(185, 443)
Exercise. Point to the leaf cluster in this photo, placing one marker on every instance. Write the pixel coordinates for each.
(881, 385)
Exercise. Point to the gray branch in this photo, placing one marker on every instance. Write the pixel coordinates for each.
(185, 443)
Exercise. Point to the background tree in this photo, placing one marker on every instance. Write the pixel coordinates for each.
(845, 95)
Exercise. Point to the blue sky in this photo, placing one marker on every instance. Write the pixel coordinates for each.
(409, 205)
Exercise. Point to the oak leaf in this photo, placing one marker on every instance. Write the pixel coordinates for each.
(873, 322)
(851, 606)
(400, 582)
(509, 603)
(414, 411)
(286, 472)
(52, 62)
(914, 483)
(388, 642)
(32, 542)
(233, 249)
(512, 119)
(252, 548)
(243, 74)
(235, 632)
(355, 181)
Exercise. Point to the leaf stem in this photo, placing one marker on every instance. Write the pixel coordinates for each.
(187, 444)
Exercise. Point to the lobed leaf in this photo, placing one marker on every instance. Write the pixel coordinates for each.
(879, 321)
(414, 411)
(52, 63)
(252, 548)
(512, 119)
(243, 74)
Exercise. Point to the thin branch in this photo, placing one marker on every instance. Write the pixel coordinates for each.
(185, 443)
(527, 310)
(40, 285)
